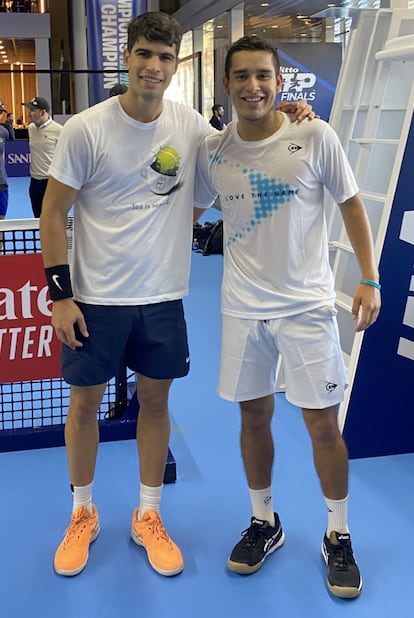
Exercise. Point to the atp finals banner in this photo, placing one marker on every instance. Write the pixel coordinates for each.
(310, 72)
(107, 22)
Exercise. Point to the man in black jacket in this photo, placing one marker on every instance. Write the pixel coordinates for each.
(216, 120)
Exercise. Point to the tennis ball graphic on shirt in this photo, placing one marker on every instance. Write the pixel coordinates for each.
(166, 161)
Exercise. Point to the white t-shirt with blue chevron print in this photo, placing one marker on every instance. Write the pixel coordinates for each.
(276, 259)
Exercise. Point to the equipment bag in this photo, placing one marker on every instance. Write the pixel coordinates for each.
(208, 238)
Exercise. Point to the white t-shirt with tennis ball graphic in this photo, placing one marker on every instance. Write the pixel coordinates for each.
(133, 212)
(272, 194)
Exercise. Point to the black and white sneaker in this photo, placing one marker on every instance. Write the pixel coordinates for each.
(259, 540)
(343, 576)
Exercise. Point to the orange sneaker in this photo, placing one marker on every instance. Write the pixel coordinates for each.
(72, 554)
(163, 554)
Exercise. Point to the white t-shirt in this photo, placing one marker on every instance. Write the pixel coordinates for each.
(133, 213)
(42, 143)
(271, 192)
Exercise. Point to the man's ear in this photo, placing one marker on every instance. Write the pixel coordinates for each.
(279, 82)
(226, 85)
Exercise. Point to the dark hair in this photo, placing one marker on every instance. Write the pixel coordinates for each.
(155, 26)
(251, 43)
(117, 89)
(216, 107)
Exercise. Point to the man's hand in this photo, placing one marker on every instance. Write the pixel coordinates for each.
(365, 306)
(65, 315)
(297, 110)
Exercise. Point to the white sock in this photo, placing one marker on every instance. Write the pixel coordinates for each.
(337, 515)
(82, 496)
(149, 499)
(262, 504)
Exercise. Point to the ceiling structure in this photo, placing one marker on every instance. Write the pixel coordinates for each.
(17, 51)
(287, 20)
(281, 13)
(282, 27)
(278, 17)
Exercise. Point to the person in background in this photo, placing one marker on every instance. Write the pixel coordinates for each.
(122, 296)
(43, 136)
(10, 119)
(118, 89)
(6, 134)
(216, 119)
(278, 296)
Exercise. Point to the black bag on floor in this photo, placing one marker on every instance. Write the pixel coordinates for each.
(208, 238)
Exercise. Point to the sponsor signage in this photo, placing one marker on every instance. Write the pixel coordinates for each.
(379, 419)
(107, 30)
(29, 349)
(17, 158)
(310, 72)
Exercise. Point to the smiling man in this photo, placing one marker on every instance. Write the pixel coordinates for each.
(124, 166)
(278, 295)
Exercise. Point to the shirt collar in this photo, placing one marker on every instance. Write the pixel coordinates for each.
(45, 124)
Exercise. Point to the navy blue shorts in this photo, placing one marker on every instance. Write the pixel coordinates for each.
(4, 201)
(149, 339)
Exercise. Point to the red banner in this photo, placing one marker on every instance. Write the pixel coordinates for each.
(29, 349)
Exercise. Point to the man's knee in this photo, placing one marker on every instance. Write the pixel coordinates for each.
(257, 413)
(153, 396)
(84, 404)
(322, 425)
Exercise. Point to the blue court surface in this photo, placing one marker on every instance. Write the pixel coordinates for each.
(204, 511)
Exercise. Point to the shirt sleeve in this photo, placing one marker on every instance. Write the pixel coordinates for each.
(335, 169)
(204, 191)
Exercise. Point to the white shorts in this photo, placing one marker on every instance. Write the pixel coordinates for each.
(314, 370)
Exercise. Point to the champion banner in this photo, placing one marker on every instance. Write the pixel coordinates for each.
(107, 22)
(310, 72)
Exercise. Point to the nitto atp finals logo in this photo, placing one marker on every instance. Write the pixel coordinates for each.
(297, 85)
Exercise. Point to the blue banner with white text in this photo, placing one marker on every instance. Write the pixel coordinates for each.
(310, 72)
(107, 24)
(380, 419)
(18, 158)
